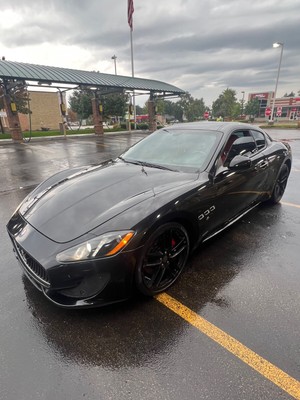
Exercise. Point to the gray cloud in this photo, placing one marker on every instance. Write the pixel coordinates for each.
(202, 47)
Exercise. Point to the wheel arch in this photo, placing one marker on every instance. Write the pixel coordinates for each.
(182, 218)
(288, 162)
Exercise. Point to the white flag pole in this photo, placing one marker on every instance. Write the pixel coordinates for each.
(130, 11)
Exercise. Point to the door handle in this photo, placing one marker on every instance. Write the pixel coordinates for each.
(263, 164)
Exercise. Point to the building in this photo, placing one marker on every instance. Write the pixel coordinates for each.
(285, 108)
(45, 112)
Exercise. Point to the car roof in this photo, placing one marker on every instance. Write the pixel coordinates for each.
(214, 126)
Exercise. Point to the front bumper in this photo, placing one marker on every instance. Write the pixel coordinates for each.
(74, 285)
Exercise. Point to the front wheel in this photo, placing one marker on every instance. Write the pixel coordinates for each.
(163, 259)
(280, 184)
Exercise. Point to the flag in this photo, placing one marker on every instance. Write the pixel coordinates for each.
(130, 11)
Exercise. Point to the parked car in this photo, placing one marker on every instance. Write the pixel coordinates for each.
(90, 236)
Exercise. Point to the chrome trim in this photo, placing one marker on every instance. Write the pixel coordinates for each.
(230, 223)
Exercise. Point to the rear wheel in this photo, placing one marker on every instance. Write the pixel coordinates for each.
(164, 257)
(280, 184)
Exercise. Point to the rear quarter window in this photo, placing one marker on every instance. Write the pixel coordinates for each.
(259, 138)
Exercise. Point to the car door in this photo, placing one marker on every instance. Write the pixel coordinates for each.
(237, 190)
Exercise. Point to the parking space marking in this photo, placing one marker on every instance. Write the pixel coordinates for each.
(255, 361)
(290, 204)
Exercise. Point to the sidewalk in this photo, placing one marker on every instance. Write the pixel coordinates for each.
(283, 134)
(73, 136)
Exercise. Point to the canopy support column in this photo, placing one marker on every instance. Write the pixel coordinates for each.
(151, 113)
(12, 119)
(97, 116)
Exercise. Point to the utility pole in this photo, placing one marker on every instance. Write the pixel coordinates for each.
(114, 57)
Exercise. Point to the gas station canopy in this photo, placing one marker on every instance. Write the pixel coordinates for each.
(45, 75)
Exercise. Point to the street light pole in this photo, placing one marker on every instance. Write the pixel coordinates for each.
(275, 45)
(115, 62)
(243, 103)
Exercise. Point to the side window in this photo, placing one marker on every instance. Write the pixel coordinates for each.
(260, 139)
(236, 145)
(228, 145)
(229, 151)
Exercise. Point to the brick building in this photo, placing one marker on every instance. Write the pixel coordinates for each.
(45, 112)
(286, 108)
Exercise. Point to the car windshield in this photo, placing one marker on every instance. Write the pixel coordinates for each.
(177, 149)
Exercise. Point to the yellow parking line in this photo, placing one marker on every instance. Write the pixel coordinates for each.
(290, 204)
(259, 364)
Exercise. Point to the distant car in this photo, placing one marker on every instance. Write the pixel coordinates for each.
(89, 236)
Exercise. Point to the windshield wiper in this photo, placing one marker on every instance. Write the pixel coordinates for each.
(136, 162)
(159, 166)
(147, 164)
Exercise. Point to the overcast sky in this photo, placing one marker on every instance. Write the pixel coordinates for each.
(202, 47)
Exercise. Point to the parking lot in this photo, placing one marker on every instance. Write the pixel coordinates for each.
(228, 329)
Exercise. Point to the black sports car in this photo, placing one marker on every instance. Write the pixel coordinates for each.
(89, 236)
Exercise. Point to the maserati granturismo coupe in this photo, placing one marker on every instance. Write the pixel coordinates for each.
(95, 235)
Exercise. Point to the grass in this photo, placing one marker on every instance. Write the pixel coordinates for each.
(290, 125)
(279, 125)
(58, 133)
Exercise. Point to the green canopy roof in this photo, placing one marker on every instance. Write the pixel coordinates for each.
(57, 76)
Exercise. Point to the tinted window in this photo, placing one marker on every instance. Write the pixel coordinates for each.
(181, 149)
(259, 139)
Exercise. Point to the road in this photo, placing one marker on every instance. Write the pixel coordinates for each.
(229, 329)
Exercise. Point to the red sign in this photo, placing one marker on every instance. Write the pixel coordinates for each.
(279, 111)
(206, 114)
(260, 96)
(268, 112)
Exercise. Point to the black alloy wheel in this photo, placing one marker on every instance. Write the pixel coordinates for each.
(280, 184)
(164, 257)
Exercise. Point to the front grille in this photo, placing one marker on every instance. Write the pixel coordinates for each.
(32, 267)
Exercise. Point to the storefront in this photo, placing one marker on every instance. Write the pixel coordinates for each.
(285, 107)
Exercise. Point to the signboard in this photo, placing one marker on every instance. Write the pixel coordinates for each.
(3, 114)
(206, 114)
(279, 111)
(268, 111)
(260, 96)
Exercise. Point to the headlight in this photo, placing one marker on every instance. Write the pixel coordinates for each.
(105, 245)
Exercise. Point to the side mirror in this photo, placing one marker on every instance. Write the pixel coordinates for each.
(240, 162)
(243, 145)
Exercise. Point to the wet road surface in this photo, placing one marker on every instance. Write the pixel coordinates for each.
(245, 282)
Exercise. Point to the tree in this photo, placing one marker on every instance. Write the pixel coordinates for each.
(237, 110)
(139, 110)
(113, 104)
(81, 103)
(252, 108)
(292, 94)
(193, 109)
(18, 95)
(224, 106)
(173, 109)
(188, 107)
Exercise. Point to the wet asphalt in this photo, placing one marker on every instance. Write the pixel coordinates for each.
(245, 281)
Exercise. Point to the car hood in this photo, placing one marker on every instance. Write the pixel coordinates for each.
(78, 204)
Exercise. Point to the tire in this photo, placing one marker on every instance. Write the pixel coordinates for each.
(280, 185)
(163, 259)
